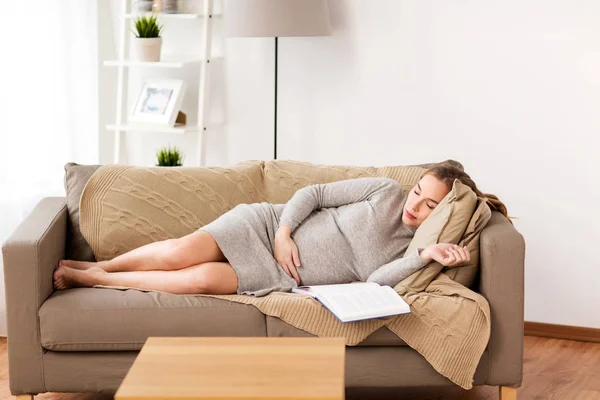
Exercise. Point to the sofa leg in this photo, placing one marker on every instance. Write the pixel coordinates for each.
(508, 393)
(25, 397)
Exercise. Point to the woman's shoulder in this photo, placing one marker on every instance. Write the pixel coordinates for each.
(386, 188)
(388, 183)
(379, 180)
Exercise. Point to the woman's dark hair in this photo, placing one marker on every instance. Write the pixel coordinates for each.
(447, 173)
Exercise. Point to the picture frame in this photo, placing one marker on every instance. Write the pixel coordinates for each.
(158, 102)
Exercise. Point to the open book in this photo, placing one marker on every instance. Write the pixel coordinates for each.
(356, 301)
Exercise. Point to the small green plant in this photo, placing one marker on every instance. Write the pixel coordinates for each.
(147, 27)
(169, 157)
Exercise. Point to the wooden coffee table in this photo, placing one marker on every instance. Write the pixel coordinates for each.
(236, 368)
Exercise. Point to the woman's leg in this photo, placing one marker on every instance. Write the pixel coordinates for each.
(206, 278)
(172, 254)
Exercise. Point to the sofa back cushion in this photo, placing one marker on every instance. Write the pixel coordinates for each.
(125, 207)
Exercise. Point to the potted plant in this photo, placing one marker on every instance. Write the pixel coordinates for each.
(169, 157)
(147, 42)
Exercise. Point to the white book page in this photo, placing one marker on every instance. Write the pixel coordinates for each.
(359, 300)
(328, 290)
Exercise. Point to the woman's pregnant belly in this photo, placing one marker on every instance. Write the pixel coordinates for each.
(325, 255)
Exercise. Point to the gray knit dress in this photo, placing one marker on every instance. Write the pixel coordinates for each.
(346, 231)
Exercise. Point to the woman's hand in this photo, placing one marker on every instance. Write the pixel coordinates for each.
(286, 252)
(449, 255)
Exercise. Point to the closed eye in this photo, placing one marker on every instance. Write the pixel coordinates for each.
(418, 194)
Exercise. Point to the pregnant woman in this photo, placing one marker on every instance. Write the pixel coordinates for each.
(339, 232)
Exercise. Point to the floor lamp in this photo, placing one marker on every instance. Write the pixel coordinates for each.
(276, 18)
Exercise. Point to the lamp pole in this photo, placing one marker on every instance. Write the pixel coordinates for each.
(275, 19)
(275, 141)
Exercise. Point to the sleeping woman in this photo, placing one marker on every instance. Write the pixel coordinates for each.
(340, 232)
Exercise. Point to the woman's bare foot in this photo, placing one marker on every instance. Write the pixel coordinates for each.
(82, 265)
(65, 277)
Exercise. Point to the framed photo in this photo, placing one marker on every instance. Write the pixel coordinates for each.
(158, 102)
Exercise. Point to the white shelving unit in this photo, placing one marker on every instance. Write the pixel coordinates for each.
(155, 64)
(170, 16)
(177, 129)
(126, 24)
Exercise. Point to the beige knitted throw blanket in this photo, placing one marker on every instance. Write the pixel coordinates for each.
(449, 324)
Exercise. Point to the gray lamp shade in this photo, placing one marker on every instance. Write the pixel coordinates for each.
(276, 18)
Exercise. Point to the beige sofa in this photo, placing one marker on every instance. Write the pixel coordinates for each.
(85, 339)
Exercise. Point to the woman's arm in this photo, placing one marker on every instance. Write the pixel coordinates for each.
(393, 272)
(334, 194)
(447, 254)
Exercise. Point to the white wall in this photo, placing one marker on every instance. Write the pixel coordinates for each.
(511, 89)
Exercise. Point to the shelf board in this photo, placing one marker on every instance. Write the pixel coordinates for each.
(177, 129)
(155, 64)
(169, 61)
(170, 16)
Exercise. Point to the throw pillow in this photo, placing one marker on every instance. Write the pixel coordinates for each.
(466, 273)
(446, 224)
(76, 177)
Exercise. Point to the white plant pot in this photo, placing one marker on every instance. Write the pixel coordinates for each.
(146, 49)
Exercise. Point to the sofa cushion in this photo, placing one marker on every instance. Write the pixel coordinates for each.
(125, 207)
(381, 337)
(92, 319)
(76, 176)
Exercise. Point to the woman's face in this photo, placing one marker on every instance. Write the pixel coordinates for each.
(422, 199)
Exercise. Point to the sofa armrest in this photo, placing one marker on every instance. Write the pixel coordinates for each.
(30, 256)
(502, 260)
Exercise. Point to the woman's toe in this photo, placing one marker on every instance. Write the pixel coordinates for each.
(60, 278)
